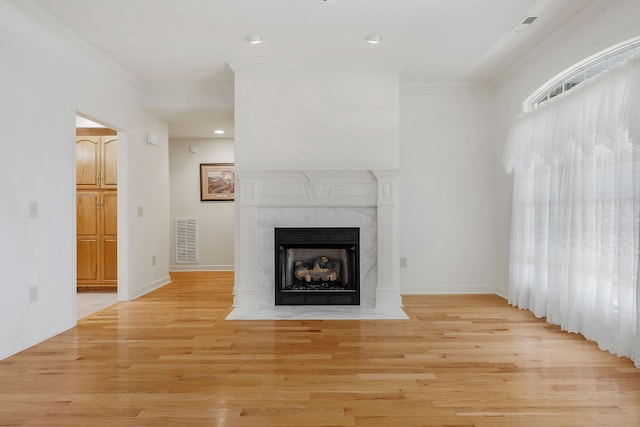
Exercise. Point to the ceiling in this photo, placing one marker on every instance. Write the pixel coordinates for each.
(188, 45)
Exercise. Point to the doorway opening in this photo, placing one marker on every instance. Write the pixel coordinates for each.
(96, 216)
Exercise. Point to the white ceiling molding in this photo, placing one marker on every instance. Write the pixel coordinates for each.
(53, 24)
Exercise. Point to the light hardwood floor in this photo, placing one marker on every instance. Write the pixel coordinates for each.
(170, 359)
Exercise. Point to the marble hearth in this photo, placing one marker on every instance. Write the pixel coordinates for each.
(266, 200)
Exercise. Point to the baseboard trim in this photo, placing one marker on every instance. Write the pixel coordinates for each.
(137, 293)
(502, 293)
(448, 289)
(202, 267)
(29, 339)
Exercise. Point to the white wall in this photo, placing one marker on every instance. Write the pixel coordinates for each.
(582, 37)
(215, 219)
(44, 81)
(330, 118)
(148, 207)
(447, 216)
(316, 118)
(442, 142)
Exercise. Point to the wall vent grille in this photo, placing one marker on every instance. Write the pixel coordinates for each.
(187, 240)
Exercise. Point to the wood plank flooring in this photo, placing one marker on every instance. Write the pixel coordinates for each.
(170, 359)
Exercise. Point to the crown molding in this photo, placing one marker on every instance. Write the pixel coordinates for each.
(581, 18)
(53, 24)
(462, 84)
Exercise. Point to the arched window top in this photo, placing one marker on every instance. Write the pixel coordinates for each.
(582, 71)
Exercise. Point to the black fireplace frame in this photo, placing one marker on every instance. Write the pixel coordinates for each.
(347, 238)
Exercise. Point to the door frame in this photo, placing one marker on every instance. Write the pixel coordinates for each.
(123, 289)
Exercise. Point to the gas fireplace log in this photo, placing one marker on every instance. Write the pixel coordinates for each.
(320, 269)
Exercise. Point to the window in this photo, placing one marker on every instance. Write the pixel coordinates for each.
(574, 237)
(583, 70)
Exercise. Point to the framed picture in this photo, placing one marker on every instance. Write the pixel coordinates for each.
(216, 181)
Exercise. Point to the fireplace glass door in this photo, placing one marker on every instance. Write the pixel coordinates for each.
(317, 266)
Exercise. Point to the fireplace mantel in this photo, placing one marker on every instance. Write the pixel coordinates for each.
(330, 198)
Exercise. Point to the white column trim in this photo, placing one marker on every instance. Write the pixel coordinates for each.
(388, 288)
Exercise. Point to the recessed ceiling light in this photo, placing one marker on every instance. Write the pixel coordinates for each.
(373, 38)
(218, 131)
(254, 39)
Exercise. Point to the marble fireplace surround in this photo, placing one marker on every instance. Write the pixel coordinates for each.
(367, 199)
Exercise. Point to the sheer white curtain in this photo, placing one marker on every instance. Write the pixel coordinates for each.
(576, 210)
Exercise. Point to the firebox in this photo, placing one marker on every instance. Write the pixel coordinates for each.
(317, 266)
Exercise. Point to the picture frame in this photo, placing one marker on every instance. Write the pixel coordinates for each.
(217, 182)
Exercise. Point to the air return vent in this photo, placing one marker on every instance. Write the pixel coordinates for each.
(523, 24)
(186, 240)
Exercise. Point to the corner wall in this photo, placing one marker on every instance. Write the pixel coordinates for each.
(447, 223)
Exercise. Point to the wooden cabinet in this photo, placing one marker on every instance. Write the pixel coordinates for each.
(96, 162)
(96, 209)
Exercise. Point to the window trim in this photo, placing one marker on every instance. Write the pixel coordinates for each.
(534, 99)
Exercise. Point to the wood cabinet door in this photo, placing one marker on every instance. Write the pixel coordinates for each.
(110, 260)
(109, 237)
(109, 206)
(88, 213)
(88, 153)
(109, 162)
(87, 267)
(88, 236)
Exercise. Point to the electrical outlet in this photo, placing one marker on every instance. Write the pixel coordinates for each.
(153, 260)
(403, 262)
(140, 211)
(33, 293)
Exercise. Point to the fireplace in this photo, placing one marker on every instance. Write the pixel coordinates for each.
(317, 266)
(361, 199)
